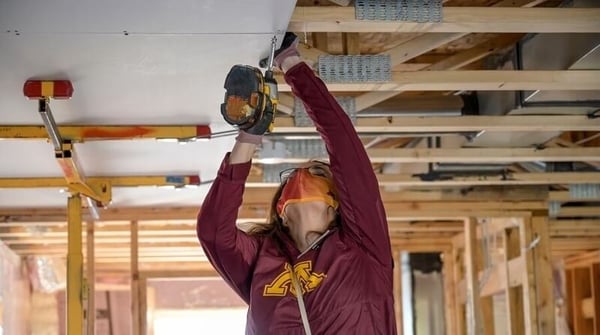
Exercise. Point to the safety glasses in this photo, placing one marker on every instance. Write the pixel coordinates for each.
(320, 169)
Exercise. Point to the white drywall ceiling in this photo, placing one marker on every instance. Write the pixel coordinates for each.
(130, 62)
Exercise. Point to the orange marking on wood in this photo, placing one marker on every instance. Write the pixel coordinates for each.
(125, 132)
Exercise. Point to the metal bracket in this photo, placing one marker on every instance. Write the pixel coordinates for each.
(399, 10)
(301, 119)
(355, 68)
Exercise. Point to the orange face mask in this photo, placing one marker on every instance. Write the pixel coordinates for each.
(304, 187)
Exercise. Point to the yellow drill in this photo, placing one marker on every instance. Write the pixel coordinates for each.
(249, 95)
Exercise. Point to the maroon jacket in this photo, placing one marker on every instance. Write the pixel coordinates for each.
(347, 278)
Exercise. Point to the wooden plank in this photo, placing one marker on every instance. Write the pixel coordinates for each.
(454, 62)
(580, 290)
(351, 43)
(469, 155)
(143, 306)
(419, 45)
(320, 41)
(478, 52)
(473, 80)
(455, 19)
(582, 260)
(135, 282)
(485, 277)
(595, 281)
(496, 281)
(514, 295)
(457, 276)
(473, 304)
(518, 3)
(466, 123)
(528, 281)
(449, 296)
(591, 211)
(544, 275)
(587, 309)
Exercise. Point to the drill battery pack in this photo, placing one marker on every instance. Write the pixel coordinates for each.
(245, 99)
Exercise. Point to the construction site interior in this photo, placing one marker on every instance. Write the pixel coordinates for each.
(481, 120)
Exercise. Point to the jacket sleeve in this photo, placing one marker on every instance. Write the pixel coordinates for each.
(361, 206)
(232, 252)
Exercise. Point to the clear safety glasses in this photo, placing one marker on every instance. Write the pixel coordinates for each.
(320, 169)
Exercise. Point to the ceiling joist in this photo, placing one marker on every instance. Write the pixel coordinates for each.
(467, 123)
(468, 155)
(473, 80)
(455, 20)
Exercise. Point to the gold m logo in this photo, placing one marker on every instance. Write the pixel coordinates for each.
(283, 283)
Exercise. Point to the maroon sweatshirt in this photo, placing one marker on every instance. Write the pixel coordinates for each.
(347, 278)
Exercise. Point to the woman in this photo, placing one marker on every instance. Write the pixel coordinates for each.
(322, 264)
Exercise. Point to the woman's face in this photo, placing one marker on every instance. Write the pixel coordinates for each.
(308, 202)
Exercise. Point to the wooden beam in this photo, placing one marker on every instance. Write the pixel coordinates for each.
(454, 62)
(582, 260)
(588, 211)
(351, 43)
(469, 155)
(439, 124)
(518, 3)
(474, 317)
(474, 80)
(480, 51)
(513, 293)
(528, 278)
(580, 290)
(450, 302)
(543, 274)
(458, 274)
(189, 213)
(455, 19)
(135, 280)
(419, 45)
(595, 303)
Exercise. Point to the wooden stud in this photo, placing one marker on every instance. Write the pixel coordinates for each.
(135, 281)
(143, 306)
(458, 275)
(474, 317)
(514, 295)
(529, 283)
(398, 312)
(485, 276)
(580, 289)
(449, 288)
(544, 276)
(595, 281)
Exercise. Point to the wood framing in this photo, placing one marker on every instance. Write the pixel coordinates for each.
(470, 155)
(455, 19)
(435, 124)
(480, 80)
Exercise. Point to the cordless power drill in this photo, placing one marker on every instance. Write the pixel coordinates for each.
(250, 96)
